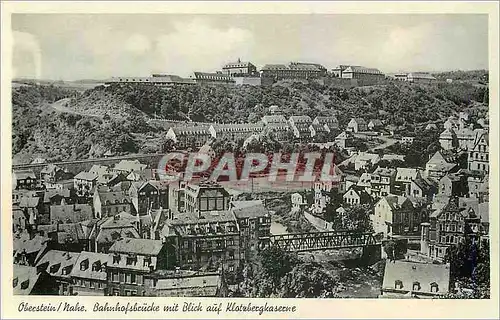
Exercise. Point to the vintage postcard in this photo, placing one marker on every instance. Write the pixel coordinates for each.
(249, 160)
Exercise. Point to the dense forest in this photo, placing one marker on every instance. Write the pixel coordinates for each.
(115, 118)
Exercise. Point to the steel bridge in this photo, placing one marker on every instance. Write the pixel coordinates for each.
(327, 240)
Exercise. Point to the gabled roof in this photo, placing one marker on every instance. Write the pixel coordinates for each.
(406, 174)
(396, 202)
(24, 174)
(130, 165)
(86, 176)
(65, 193)
(300, 119)
(361, 69)
(50, 168)
(385, 172)
(137, 246)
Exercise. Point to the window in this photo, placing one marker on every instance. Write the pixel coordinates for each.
(434, 287)
(133, 278)
(100, 285)
(115, 277)
(416, 286)
(92, 284)
(131, 260)
(398, 284)
(231, 268)
(147, 262)
(116, 258)
(84, 265)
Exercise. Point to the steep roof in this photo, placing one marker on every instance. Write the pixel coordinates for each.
(24, 279)
(100, 260)
(130, 165)
(410, 272)
(24, 174)
(137, 246)
(406, 174)
(55, 262)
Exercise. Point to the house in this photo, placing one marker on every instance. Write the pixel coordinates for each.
(405, 279)
(375, 124)
(254, 223)
(211, 238)
(478, 158)
(108, 202)
(357, 125)
(453, 185)
(440, 164)
(382, 181)
(19, 220)
(51, 173)
(356, 196)
(365, 181)
(448, 139)
(149, 195)
(56, 197)
(84, 183)
(89, 276)
(108, 231)
(27, 251)
(453, 223)
(298, 202)
(362, 160)
(407, 140)
(431, 126)
(68, 236)
(293, 71)
(404, 177)
(319, 133)
(103, 173)
(70, 213)
(130, 260)
(33, 208)
(465, 138)
(395, 216)
(422, 188)
(343, 139)
(300, 126)
(28, 280)
(24, 179)
(452, 123)
(59, 264)
(189, 137)
(274, 119)
(128, 166)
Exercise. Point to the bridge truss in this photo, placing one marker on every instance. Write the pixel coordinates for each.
(313, 241)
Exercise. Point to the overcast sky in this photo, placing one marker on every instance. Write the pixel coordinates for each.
(70, 47)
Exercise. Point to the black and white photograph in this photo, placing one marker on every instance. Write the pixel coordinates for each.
(319, 155)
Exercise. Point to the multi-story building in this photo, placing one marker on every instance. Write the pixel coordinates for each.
(440, 164)
(254, 223)
(448, 139)
(405, 279)
(24, 179)
(59, 264)
(479, 155)
(213, 78)
(84, 183)
(154, 79)
(70, 213)
(357, 125)
(210, 239)
(131, 260)
(421, 77)
(108, 203)
(404, 177)
(363, 73)
(396, 216)
(89, 274)
(235, 131)
(382, 181)
(239, 68)
(149, 195)
(300, 127)
(356, 196)
(329, 123)
(295, 70)
(343, 139)
(189, 137)
(205, 197)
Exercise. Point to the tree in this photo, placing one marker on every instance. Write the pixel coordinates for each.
(308, 280)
